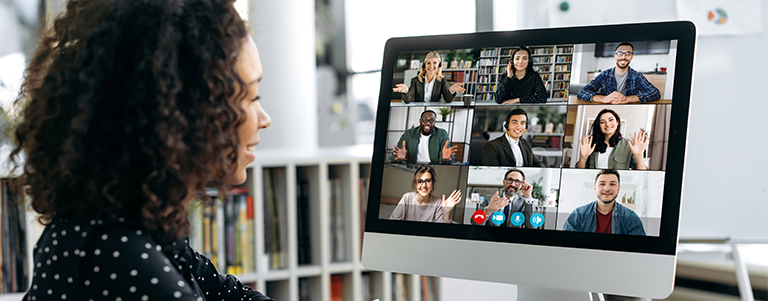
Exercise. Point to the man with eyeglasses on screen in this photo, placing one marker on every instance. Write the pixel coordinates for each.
(605, 215)
(620, 84)
(510, 209)
(424, 144)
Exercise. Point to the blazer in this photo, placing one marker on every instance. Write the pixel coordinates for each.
(498, 152)
(517, 204)
(416, 91)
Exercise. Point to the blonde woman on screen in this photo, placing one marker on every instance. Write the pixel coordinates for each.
(430, 85)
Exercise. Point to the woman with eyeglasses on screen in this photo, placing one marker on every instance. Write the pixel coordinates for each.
(420, 205)
(606, 149)
(430, 84)
(521, 84)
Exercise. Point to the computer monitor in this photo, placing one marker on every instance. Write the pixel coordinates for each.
(547, 157)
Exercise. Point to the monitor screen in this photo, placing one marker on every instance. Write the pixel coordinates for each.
(571, 138)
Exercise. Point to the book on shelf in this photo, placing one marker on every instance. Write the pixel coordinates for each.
(208, 233)
(554, 142)
(400, 289)
(337, 288)
(274, 236)
(458, 76)
(303, 222)
(239, 232)
(304, 290)
(338, 229)
(539, 141)
(425, 294)
(367, 286)
(13, 231)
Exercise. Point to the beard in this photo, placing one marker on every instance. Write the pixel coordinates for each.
(607, 202)
(427, 133)
(510, 191)
(620, 67)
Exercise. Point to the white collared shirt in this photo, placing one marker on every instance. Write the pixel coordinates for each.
(515, 150)
(428, 89)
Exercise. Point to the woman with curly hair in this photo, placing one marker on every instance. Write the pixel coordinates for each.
(130, 109)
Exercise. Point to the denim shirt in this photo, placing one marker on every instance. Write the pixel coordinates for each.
(623, 221)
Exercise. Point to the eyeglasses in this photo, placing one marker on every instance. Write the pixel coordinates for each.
(428, 120)
(512, 181)
(626, 53)
(420, 181)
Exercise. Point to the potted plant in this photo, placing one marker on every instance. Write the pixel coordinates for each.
(537, 193)
(445, 111)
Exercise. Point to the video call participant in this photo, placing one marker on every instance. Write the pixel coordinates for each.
(420, 205)
(511, 201)
(620, 84)
(425, 143)
(605, 215)
(521, 84)
(605, 148)
(509, 149)
(430, 84)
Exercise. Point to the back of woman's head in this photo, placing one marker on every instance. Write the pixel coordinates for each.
(130, 106)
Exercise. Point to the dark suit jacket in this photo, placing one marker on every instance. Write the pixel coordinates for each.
(517, 204)
(498, 152)
(416, 91)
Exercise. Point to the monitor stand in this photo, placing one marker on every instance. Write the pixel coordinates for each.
(532, 293)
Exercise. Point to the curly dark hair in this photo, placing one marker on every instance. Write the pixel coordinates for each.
(129, 107)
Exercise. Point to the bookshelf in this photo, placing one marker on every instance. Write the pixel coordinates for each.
(323, 277)
(552, 62)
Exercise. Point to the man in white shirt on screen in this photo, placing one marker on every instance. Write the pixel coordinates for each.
(424, 144)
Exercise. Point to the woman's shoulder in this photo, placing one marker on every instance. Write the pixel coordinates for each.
(79, 232)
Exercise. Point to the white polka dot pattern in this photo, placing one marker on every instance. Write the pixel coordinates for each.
(118, 261)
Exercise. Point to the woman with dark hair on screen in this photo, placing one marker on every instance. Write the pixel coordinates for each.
(606, 149)
(420, 205)
(130, 110)
(521, 84)
(430, 85)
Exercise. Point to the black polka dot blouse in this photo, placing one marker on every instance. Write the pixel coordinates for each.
(530, 89)
(112, 259)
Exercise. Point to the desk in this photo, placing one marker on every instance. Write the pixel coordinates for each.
(572, 100)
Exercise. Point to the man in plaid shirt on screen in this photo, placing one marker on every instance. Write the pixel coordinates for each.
(620, 84)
